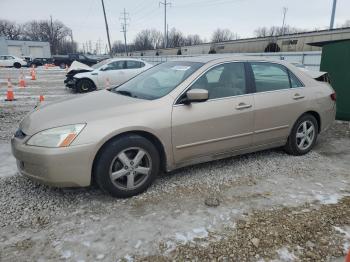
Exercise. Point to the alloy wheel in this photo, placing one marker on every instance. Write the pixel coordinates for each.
(305, 135)
(130, 168)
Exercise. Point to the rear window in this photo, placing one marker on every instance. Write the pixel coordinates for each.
(271, 77)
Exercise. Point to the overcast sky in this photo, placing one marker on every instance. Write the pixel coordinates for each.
(201, 17)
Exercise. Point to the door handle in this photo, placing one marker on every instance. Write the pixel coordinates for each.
(298, 96)
(243, 106)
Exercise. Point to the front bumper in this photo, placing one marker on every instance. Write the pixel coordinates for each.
(70, 82)
(59, 167)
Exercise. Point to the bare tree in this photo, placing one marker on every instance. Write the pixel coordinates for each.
(54, 32)
(193, 40)
(276, 31)
(346, 24)
(118, 47)
(175, 38)
(156, 38)
(10, 30)
(220, 35)
(143, 40)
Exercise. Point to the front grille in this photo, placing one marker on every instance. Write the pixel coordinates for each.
(19, 134)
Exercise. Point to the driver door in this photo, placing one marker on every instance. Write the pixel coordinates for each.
(112, 74)
(222, 124)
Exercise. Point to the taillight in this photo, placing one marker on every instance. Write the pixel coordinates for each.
(334, 96)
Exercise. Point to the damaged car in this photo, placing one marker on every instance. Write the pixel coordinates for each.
(108, 73)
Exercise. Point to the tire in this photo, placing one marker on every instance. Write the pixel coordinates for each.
(120, 158)
(17, 65)
(62, 65)
(85, 85)
(295, 145)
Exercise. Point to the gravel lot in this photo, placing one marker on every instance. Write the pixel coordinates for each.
(271, 206)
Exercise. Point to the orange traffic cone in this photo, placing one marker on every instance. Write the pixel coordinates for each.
(41, 98)
(347, 259)
(33, 74)
(10, 96)
(22, 82)
(46, 66)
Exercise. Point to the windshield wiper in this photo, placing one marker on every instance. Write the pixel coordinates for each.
(124, 93)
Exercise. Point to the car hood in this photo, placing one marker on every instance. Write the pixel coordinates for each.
(81, 109)
(77, 66)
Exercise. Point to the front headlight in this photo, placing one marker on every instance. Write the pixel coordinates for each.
(56, 137)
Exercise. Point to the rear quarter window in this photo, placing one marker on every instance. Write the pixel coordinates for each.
(270, 77)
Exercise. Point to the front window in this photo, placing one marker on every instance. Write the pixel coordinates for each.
(224, 80)
(100, 64)
(158, 81)
(117, 65)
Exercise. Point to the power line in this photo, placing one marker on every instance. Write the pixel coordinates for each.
(124, 17)
(165, 3)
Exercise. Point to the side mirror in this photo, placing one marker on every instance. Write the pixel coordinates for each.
(104, 68)
(197, 95)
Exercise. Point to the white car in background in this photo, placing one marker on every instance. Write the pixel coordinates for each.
(108, 73)
(12, 61)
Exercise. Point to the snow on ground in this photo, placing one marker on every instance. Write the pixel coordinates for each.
(42, 223)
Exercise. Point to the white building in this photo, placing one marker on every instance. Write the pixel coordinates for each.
(24, 48)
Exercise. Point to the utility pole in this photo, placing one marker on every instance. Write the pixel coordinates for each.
(167, 33)
(331, 26)
(107, 30)
(165, 3)
(124, 17)
(285, 10)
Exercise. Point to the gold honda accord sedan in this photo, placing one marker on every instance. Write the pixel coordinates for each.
(173, 115)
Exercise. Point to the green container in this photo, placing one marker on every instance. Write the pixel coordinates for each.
(336, 61)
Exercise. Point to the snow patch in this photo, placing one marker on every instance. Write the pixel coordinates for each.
(285, 255)
(190, 236)
(346, 233)
(328, 198)
(66, 254)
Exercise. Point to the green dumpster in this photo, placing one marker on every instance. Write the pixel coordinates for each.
(336, 61)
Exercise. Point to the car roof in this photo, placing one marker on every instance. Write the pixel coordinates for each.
(125, 59)
(227, 57)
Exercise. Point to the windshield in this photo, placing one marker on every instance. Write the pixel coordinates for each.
(158, 81)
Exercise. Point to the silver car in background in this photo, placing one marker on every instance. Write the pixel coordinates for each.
(173, 115)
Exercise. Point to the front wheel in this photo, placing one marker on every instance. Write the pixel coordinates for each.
(126, 166)
(303, 136)
(85, 85)
(17, 65)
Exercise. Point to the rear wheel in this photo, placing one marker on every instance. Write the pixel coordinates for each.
(85, 85)
(126, 166)
(303, 135)
(17, 65)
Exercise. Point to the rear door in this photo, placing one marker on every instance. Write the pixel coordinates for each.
(222, 124)
(133, 67)
(279, 99)
(9, 60)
